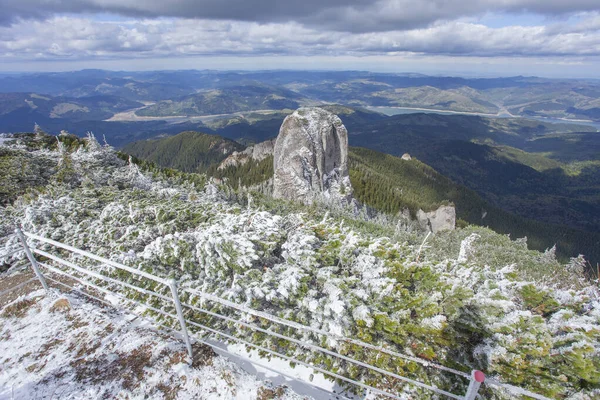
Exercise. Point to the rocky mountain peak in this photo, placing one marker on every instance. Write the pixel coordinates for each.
(311, 157)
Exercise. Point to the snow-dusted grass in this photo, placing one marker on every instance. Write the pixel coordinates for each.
(67, 348)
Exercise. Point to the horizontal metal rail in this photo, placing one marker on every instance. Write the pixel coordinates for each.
(248, 310)
(19, 265)
(97, 258)
(99, 276)
(253, 362)
(474, 380)
(515, 389)
(10, 253)
(111, 293)
(7, 237)
(20, 285)
(321, 349)
(106, 291)
(79, 291)
(102, 277)
(109, 303)
(175, 331)
(332, 374)
(297, 325)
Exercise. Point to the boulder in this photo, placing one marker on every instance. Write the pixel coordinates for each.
(442, 219)
(311, 157)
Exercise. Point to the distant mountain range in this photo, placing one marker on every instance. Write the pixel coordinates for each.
(210, 92)
(16, 105)
(227, 100)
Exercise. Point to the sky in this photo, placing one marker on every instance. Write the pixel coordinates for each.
(554, 38)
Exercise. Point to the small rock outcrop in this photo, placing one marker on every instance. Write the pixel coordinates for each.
(406, 157)
(311, 157)
(442, 219)
(257, 152)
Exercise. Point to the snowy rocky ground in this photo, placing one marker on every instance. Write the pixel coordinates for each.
(465, 299)
(64, 347)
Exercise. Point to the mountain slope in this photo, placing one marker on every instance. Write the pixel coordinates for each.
(390, 184)
(225, 101)
(558, 181)
(97, 107)
(468, 299)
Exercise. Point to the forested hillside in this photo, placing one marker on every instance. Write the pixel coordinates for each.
(187, 151)
(391, 185)
(540, 171)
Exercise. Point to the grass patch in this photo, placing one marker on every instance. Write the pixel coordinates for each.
(18, 309)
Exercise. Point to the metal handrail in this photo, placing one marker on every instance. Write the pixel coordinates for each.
(99, 276)
(108, 303)
(106, 291)
(476, 377)
(515, 389)
(5, 238)
(332, 374)
(20, 285)
(10, 253)
(323, 350)
(296, 325)
(152, 321)
(98, 258)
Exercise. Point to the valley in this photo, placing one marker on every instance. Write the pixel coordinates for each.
(132, 116)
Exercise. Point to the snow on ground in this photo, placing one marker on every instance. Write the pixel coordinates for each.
(280, 372)
(63, 346)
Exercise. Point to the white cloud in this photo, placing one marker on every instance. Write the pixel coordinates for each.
(80, 38)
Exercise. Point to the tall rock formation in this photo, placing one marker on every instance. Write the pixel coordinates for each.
(311, 157)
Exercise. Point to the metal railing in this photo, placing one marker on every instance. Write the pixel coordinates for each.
(175, 312)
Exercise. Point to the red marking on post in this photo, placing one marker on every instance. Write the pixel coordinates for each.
(479, 376)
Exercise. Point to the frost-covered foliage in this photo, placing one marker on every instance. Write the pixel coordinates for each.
(467, 299)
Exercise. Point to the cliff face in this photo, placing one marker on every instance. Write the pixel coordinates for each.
(257, 152)
(311, 157)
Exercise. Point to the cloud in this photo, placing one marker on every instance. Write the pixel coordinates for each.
(337, 15)
(74, 38)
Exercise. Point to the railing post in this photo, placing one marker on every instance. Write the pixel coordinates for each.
(477, 378)
(31, 258)
(173, 285)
